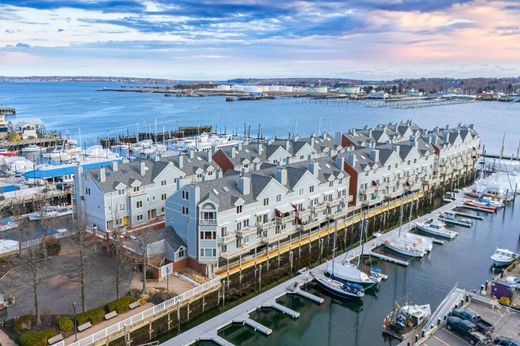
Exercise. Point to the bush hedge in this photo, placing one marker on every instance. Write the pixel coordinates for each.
(53, 246)
(22, 323)
(65, 323)
(93, 316)
(120, 305)
(36, 337)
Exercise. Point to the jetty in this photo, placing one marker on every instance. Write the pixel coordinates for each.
(4, 110)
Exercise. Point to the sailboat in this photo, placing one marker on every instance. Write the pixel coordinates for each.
(408, 244)
(348, 272)
(336, 287)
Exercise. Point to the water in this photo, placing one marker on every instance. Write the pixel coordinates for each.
(464, 262)
(74, 106)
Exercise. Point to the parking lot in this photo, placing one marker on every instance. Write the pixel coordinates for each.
(506, 322)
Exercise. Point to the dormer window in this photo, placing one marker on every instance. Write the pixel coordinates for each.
(239, 209)
(136, 188)
(120, 192)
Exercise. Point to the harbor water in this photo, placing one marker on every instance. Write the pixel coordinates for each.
(464, 261)
(74, 106)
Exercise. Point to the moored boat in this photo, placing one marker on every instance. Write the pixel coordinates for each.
(5, 152)
(503, 257)
(8, 223)
(50, 211)
(451, 217)
(404, 248)
(402, 320)
(338, 288)
(436, 228)
(32, 149)
(480, 205)
(347, 272)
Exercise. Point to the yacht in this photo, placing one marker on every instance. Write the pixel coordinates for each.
(202, 142)
(6, 152)
(50, 211)
(351, 274)
(33, 148)
(451, 217)
(57, 154)
(404, 246)
(503, 257)
(436, 228)
(338, 288)
(480, 205)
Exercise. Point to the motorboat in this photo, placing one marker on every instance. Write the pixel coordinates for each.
(5, 152)
(8, 223)
(348, 272)
(493, 201)
(338, 288)
(480, 205)
(436, 228)
(503, 257)
(402, 320)
(50, 211)
(57, 154)
(32, 148)
(404, 247)
(452, 218)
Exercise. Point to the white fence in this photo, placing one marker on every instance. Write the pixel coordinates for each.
(143, 315)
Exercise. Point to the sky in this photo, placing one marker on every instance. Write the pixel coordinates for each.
(222, 39)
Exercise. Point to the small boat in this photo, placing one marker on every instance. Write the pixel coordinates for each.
(405, 248)
(8, 223)
(50, 211)
(436, 228)
(493, 201)
(350, 273)
(33, 148)
(5, 152)
(503, 257)
(338, 288)
(480, 205)
(57, 154)
(402, 320)
(451, 217)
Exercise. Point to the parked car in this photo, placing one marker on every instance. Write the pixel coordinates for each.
(514, 280)
(505, 341)
(467, 330)
(483, 326)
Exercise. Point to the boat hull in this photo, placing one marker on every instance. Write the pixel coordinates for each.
(336, 292)
(447, 235)
(406, 252)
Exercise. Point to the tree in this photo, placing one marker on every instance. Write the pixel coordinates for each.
(31, 261)
(81, 239)
(119, 259)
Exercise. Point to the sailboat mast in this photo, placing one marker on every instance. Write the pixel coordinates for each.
(401, 214)
(411, 209)
(361, 231)
(334, 246)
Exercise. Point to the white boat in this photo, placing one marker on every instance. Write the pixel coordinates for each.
(436, 228)
(57, 154)
(503, 257)
(403, 319)
(50, 211)
(351, 273)
(7, 224)
(203, 142)
(451, 217)
(404, 247)
(33, 148)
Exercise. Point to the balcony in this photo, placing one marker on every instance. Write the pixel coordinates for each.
(208, 222)
(311, 224)
(302, 213)
(283, 219)
(227, 239)
(339, 215)
(318, 207)
(266, 225)
(333, 203)
(245, 232)
(274, 238)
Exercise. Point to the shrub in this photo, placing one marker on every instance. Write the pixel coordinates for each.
(65, 323)
(22, 323)
(120, 305)
(149, 275)
(93, 316)
(53, 246)
(36, 337)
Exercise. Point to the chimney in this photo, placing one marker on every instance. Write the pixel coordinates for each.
(340, 162)
(233, 152)
(192, 154)
(209, 156)
(312, 141)
(240, 146)
(374, 155)
(398, 150)
(213, 149)
(180, 161)
(115, 165)
(142, 168)
(259, 148)
(370, 133)
(337, 138)
(244, 185)
(281, 175)
(102, 175)
(313, 168)
(287, 145)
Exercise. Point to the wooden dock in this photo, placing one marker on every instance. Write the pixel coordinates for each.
(470, 216)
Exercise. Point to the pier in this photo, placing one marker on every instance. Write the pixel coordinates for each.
(283, 309)
(253, 324)
(470, 216)
(389, 258)
(4, 110)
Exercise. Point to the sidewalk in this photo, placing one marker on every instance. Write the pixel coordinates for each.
(102, 325)
(5, 340)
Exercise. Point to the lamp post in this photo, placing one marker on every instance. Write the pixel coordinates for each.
(167, 279)
(75, 327)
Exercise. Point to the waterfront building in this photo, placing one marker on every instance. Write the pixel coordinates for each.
(133, 193)
(245, 213)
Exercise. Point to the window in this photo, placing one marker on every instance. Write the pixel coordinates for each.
(278, 198)
(120, 192)
(239, 226)
(87, 191)
(136, 189)
(163, 182)
(223, 231)
(340, 181)
(389, 167)
(185, 211)
(311, 189)
(266, 201)
(246, 223)
(122, 206)
(163, 197)
(139, 217)
(239, 209)
(331, 183)
(185, 195)
(300, 192)
(139, 204)
(223, 248)
(208, 235)
(181, 252)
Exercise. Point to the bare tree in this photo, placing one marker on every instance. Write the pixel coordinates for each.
(31, 260)
(145, 241)
(119, 259)
(81, 238)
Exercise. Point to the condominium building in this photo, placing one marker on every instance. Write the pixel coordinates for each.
(133, 193)
(245, 212)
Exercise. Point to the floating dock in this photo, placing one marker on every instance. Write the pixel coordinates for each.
(255, 325)
(307, 295)
(283, 309)
(389, 258)
(470, 216)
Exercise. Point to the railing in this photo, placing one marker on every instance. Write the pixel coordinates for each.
(227, 238)
(303, 213)
(208, 222)
(102, 334)
(266, 225)
(333, 203)
(246, 231)
(319, 207)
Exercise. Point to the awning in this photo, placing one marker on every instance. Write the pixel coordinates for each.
(284, 209)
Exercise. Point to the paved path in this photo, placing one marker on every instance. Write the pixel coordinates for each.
(5, 340)
(210, 328)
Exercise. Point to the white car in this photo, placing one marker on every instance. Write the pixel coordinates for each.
(514, 280)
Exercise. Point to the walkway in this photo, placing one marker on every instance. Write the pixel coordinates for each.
(210, 328)
(5, 340)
